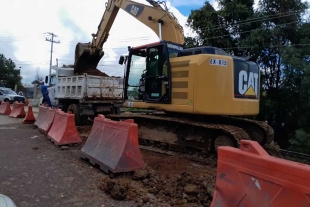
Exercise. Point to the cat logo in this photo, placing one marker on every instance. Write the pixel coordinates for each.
(248, 84)
(134, 10)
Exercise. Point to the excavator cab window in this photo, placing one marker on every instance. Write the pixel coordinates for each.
(136, 70)
(157, 80)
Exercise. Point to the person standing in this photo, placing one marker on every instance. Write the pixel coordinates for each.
(45, 95)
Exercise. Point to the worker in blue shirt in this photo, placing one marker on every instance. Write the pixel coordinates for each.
(45, 95)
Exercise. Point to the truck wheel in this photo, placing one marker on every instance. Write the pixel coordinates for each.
(74, 108)
(6, 100)
(115, 110)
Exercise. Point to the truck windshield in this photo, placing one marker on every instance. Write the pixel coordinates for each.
(53, 79)
(8, 92)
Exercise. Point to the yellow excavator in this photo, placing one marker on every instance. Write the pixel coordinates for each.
(194, 99)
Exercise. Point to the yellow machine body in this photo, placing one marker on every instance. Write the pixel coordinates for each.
(200, 85)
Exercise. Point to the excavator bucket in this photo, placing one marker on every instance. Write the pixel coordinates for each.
(84, 60)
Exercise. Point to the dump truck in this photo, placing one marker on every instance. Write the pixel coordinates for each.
(85, 95)
(202, 95)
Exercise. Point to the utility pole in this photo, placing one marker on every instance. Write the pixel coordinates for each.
(52, 42)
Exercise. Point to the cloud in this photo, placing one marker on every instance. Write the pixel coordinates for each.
(27, 21)
(177, 3)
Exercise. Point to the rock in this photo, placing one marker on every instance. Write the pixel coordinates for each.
(191, 189)
(192, 199)
(118, 192)
(145, 199)
(64, 147)
(181, 202)
(140, 175)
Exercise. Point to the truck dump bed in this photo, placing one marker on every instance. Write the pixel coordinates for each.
(89, 87)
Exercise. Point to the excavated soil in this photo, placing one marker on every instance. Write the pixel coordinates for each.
(165, 181)
(92, 71)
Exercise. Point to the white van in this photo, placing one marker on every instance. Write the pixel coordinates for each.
(8, 95)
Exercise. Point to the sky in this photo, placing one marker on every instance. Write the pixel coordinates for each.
(25, 25)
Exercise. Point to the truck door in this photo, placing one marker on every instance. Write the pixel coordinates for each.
(157, 79)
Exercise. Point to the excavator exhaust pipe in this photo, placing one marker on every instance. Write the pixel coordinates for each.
(84, 60)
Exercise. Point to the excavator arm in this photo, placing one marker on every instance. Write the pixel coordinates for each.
(160, 20)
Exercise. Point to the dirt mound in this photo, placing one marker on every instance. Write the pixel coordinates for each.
(166, 179)
(92, 71)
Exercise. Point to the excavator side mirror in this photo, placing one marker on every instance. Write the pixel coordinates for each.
(121, 60)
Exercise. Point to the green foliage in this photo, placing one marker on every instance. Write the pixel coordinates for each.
(276, 37)
(8, 73)
(301, 142)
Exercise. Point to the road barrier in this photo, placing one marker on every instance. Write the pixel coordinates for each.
(5, 108)
(18, 110)
(29, 119)
(113, 145)
(249, 176)
(40, 116)
(46, 120)
(63, 130)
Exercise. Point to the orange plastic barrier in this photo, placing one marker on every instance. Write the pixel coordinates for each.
(5, 108)
(63, 130)
(18, 110)
(113, 145)
(249, 177)
(46, 120)
(29, 119)
(26, 102)
(41, 115)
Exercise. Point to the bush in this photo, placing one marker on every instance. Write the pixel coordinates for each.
(301, 142)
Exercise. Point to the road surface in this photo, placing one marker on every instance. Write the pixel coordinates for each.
(34, 172)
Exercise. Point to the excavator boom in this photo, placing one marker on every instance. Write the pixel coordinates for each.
(160, 20)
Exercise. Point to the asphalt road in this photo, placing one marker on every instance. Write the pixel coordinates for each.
(35, 172)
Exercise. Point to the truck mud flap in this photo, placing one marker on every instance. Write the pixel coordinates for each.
(18, 110)
(5, 108)
(63, 130)
(250, 177)
(113, 145)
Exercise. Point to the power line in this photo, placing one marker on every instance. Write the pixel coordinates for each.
(246, 22)
(250, 30)
(52, 42)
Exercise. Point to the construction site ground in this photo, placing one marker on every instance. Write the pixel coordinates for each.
(35, 172)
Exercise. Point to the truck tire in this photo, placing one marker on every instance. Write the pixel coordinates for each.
(6, 100)
(74, 108)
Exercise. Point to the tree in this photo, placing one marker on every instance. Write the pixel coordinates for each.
(208, 25)
(8, 74)
(276, 37)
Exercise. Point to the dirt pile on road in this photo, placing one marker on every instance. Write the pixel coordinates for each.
(166, 180)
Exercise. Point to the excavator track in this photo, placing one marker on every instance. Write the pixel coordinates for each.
(183, 134)
(257, 130)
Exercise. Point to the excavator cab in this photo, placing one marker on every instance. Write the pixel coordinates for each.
(148, 76)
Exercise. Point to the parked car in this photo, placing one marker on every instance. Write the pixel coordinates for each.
(8, 95)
